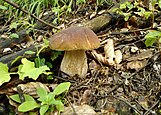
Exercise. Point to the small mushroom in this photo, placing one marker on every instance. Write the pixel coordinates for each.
(74, 41)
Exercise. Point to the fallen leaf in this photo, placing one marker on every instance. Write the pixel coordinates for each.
(86, 97)
(143, 55)
(100, 57)
(118, 56)
(109, 51)
(31, 88)
(80, 110)
(136, 64)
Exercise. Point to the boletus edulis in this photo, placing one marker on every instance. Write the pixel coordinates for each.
(74, 41)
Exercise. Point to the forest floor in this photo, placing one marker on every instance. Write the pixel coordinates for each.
(130, 86)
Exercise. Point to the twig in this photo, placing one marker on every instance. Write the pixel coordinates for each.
(150, 109)
(74, 112)
(18, 7)
(133, 107)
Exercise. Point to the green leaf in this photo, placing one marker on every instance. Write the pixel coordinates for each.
(61, 88)
(17, 99)
(14, 35)
(5, 76)
(42, 92)
(27, 69)
(16, 59)
(159, 3)
(151, 37)
(153, 33)
(13, 25)
(46, 42)
(122, 6)
(43, 109)
(60, 106)
(147, 14)
(28, 106)
(30, 52)
(3, 7)
(55, 54)
(150, 41)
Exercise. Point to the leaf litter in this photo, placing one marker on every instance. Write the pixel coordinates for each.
(124, 76)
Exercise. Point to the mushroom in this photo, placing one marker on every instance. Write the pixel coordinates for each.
(74, 41)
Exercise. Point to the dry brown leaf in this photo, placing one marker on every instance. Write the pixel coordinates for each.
(136, 64)
(143, 55)
(31, 88)
(100, 57)
(118, 56)
(86, 97)
(109, 51)
(80, 110)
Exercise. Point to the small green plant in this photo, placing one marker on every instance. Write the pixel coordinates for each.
(127, 9)
(26, 69)
(47, 102)
(152, 37)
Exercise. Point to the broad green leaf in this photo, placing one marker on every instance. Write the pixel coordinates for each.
(42, 92)
(43, 109)
(17, 99)
(3, 7)
(27, 69)
(61, 88)
(153, 33)
(28, 106)
(151, 37)
(150, 41)
(14, 35)
(60, 106)
(5, 76)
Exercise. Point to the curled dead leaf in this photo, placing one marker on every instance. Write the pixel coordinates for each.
(118, 56)
(99, 57)
(109, 51)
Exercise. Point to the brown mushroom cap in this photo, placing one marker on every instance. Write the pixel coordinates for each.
(74, 38)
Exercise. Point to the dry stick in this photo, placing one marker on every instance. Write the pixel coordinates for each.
(149, 110)
(128, 103)
(18, 7)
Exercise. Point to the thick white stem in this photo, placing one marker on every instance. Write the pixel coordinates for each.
(74, 63)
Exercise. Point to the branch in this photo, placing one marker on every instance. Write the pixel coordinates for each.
(18, 7)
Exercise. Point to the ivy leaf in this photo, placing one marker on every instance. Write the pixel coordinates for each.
(61, 88)
(5, 76)
(27, 69)
(28, 106)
